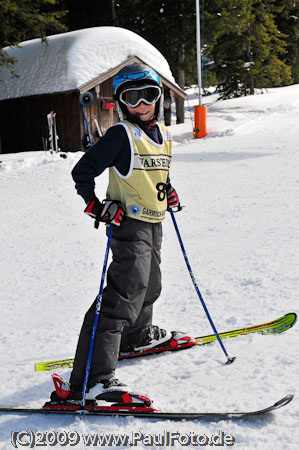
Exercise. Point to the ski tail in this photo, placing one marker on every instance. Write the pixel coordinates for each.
(53, 365)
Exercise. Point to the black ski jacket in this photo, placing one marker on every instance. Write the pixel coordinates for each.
(113, 149)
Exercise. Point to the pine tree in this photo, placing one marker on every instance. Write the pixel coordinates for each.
(246, 46)
(89, 13)
(170, 27)
(23, 19)
(287, 21)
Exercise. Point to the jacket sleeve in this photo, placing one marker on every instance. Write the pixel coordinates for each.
(113, 149)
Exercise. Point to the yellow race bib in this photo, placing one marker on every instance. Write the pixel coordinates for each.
(142, 189)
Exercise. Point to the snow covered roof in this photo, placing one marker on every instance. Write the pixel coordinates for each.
(71, 60)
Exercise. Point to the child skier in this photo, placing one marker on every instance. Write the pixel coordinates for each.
(137, 151)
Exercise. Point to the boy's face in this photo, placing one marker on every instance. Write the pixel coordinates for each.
(144, 111)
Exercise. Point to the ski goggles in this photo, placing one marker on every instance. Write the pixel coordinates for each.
(133, 96)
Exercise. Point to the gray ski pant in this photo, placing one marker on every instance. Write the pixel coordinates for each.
(133, 285)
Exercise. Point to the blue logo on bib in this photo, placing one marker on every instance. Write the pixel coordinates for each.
(135, 209)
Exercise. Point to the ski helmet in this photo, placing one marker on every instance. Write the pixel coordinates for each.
(136, 75)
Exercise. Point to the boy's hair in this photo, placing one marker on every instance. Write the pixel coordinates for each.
(136, 75)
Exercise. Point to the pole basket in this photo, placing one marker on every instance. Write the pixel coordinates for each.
(200, 122)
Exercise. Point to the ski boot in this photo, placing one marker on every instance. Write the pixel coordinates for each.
(105, 395)
(156, 340)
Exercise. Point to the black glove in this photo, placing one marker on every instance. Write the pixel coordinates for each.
(172, 198)
(110, 211)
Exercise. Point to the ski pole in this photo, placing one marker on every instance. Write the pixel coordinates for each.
(229, 359)
(96, 317)
(86, 99)
(87, 126)
(189, 108)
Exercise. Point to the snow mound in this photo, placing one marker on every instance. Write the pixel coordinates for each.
(68, 61)
(26, 160)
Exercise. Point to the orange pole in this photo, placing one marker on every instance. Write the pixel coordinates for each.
(200, 122)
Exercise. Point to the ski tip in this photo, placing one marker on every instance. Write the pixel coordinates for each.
(284, 401)
(295, 318)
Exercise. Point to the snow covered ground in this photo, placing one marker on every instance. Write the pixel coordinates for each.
(240, 189)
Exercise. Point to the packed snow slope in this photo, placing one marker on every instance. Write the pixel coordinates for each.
(240, 227)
